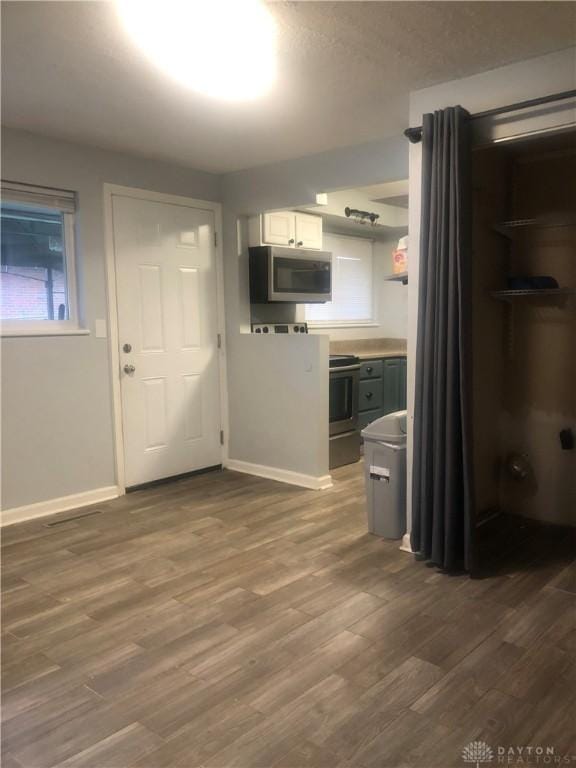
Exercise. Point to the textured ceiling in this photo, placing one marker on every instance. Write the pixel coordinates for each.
(345, 71)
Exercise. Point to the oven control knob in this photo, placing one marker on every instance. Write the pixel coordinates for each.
(265, 329)
(258, 330)
(296, 329)
(303, 329)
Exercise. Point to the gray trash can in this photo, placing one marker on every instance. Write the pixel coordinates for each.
(385, 469)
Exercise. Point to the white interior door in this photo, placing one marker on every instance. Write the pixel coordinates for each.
(167, 330)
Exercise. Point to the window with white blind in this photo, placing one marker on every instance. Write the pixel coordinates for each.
(37, 277)
(352, 284)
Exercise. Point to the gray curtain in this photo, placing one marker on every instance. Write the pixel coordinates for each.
(442, 493)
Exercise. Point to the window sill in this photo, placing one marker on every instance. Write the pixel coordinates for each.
(344, 324)
(7, 333)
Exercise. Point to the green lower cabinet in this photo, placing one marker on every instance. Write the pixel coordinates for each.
(392, 378)
(403, 383)
(382, 388)
(367, 417)
(370, 395)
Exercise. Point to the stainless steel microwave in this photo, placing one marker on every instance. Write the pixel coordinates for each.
(289, 275)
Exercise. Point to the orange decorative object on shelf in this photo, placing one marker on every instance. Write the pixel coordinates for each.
(400, 256)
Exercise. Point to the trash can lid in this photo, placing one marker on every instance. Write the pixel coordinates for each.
(391, 427)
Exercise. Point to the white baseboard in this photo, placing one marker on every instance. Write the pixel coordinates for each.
(281, 475)
(406, 546)
(63, 504)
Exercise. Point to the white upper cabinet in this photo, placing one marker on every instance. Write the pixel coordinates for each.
(279, 228)
(308, 231)
(287, 228)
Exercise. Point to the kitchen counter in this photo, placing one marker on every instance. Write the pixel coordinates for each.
(378, 353)
(369, 349)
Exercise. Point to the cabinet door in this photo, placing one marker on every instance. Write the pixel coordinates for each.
(278, 228)
(367, 417)
(392, 378)
(371, 369)
(370, 395)
(403, 384)
(308, 231)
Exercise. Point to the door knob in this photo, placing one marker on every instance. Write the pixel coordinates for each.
(299, 243)
(127, 348)
(129, 368)
(291, 241)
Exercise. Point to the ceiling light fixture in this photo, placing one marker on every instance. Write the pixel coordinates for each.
(221, 48)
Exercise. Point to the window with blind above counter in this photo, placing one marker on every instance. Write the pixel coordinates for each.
(352, 284)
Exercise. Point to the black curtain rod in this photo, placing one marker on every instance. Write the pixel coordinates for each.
(414, 135)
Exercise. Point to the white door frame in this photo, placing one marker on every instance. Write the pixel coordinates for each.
(112, 299)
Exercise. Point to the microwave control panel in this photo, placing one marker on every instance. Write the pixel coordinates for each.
(279, 328)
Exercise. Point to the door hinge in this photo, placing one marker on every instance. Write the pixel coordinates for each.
(221, 437)
(219, 337)
(216, 239)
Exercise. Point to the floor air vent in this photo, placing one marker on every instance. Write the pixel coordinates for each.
(73, 517)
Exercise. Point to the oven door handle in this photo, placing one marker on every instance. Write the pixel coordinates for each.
(345, 368)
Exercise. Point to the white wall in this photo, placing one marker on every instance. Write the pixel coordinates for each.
(506, 85)
(391, 297)
(294, 183)
(277, 186)
(56, 403)
(282, 383)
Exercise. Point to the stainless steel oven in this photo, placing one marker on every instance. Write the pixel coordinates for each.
(343, 409)
(289, 275)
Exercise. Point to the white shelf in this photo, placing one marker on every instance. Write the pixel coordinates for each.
(401, 277)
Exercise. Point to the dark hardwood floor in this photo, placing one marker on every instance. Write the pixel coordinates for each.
(225, 620)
